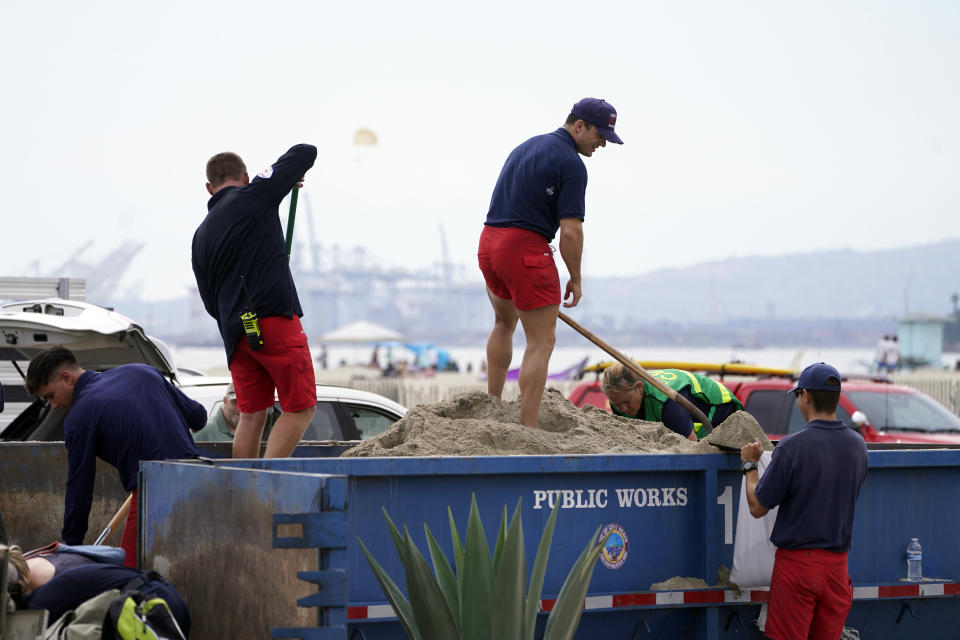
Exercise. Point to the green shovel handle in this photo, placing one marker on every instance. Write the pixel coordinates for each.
(290, 220)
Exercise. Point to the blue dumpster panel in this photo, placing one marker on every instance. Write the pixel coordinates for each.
(676, 514)
(210, 530)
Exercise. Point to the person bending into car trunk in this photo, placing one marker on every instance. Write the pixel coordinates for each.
(241, 266)
(815, 476)
(123, 416)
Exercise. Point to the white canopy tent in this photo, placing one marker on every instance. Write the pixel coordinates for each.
(361, 331)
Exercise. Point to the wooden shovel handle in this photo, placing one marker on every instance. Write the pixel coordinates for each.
(698, 415)
(116, 521)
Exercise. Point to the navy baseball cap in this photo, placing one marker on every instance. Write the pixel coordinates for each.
(600, 114)
(815, 378)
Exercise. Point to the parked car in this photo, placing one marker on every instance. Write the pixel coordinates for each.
(342, 413)
(102, 339)
(879, 411)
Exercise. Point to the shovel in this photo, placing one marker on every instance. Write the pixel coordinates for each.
(698, 415)
(290, 220)
(115, 522)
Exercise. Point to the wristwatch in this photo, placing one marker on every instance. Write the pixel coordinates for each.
(748, 466)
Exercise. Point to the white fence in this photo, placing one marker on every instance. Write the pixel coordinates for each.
(943, 387)
(413, 391)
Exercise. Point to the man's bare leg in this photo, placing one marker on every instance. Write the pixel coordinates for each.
(287, 431)
(500, 343)
(246, 440)
(540, 327)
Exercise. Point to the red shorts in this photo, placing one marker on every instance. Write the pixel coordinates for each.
(129, 537)
(810, 595)
(283, 364)
(518, 265)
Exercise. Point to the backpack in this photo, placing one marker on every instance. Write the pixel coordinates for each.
(86, 622)
(138, 616)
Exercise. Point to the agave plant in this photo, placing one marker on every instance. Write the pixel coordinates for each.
(486, 598)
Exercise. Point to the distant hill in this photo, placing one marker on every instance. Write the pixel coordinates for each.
(830, 297)
(819, 285)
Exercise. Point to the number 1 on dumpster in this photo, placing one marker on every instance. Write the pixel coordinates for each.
(725, 500)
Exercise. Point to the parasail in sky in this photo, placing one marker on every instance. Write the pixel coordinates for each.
(364, 138)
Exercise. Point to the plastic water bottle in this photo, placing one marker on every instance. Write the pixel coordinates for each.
(914, 561)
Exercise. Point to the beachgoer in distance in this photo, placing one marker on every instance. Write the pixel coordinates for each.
(815, 476)
(540, 190)
(241, 266)
(633, 397)
(222, 426)
(124, 416)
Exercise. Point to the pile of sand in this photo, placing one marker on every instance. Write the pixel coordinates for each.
(679, 583)
(476, 424)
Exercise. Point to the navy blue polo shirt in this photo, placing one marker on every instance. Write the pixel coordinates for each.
(542, 181)
(241, 240)
(815, 477)
(125, 415)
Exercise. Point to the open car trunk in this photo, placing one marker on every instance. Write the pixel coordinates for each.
(100, 338)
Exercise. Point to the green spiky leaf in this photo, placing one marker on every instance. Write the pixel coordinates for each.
(445, 578)
(394, 532)
(501, 535)
(476, 580)
(510, 583)
(434, 618)
(566, 613)
(401, 606)
(538, 574)
(457, 545)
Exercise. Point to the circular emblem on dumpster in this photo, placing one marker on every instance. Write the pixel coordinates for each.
(614, 552)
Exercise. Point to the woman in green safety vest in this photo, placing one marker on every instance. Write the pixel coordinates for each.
(633, 397)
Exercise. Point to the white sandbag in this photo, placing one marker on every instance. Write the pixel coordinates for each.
(753, 553)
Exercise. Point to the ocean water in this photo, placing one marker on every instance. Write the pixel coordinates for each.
(848, 360)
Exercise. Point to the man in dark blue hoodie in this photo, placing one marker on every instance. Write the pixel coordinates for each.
(242, 269)
(123, 416)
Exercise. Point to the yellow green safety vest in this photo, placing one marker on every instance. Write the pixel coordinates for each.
(707, 390)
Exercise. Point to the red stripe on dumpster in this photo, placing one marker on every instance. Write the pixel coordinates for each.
(898, 591)
(759, 596)
(695, 597)
(952, 588)
(548, 605)
(356, 613)
(634, 599)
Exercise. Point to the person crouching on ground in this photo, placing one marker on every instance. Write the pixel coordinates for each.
(541, 190)
(815, 476)
(632, 397)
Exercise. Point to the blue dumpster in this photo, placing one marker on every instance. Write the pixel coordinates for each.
(274, 542)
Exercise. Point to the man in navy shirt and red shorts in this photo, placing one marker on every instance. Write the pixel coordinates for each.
(815, 477)
(241, 265)
(540, 190)
(125, 415)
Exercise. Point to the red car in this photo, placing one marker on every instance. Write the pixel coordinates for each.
(880, 411)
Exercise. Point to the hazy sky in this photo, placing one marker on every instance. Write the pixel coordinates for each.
(751, 127)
